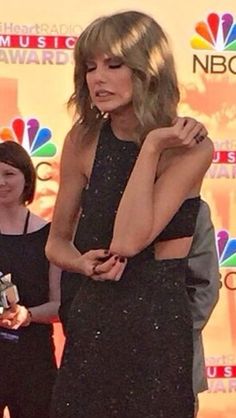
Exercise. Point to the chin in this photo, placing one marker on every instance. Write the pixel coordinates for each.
(106, 108)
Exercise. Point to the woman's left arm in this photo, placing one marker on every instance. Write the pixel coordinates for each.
(46, 313)
(147, 204)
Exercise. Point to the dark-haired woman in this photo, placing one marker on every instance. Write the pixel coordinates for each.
(28, 367)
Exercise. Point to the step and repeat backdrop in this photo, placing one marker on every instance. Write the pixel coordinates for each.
(36, 72)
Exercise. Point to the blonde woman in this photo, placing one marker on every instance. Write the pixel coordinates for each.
(135, 168)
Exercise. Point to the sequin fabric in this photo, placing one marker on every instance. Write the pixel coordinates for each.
(128, 352)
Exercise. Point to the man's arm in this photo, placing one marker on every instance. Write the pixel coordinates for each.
(203, 277)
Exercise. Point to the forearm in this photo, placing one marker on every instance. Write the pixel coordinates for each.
(45, 313)
(134, 219)
(63, 254)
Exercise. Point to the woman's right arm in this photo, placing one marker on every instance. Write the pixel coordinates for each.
(60, 248)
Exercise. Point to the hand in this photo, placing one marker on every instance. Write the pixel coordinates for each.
(87, 262)
(7, 316)
(185, 132)
(15, 317)
(112, 269)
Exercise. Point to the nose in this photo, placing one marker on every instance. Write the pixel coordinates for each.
(2, 180)
(99, 74)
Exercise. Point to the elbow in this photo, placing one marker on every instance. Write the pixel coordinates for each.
(132, 241)
(48, 251)
(51, 253)
(127, 247)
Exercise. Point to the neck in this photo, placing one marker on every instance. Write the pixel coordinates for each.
(12, 219)
(125, 125)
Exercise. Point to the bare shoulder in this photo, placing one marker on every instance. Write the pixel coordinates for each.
(205, 147)
(74, 141)
(199, 153)
(79, 150)
(202, 152)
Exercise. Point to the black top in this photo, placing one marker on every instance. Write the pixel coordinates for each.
(113, 164)
(114, 161)
(24, 257)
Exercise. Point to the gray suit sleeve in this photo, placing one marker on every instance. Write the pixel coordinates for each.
(203, 277)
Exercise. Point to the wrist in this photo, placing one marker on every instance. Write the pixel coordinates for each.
(77, 264)
(28, 318)
(153, 144)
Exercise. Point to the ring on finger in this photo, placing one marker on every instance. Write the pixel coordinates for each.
(199, 138)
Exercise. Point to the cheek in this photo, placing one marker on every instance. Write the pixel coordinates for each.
(126, 83)
(20, 186)
(89, 83)
(127, 88)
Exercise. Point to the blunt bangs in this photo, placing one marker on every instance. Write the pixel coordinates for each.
(112, 36)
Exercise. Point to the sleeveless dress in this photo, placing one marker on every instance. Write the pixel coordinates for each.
(28, 367)
(128, 351)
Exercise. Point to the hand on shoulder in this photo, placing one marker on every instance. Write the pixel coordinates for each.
(185, 133)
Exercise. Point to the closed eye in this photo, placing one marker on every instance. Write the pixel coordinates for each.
(90, 68)
(116, 65)
(114, 62)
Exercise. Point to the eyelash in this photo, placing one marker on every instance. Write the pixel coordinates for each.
(116, 65)
(112, 66)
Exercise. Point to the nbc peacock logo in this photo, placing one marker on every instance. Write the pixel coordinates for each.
(226, 249)
(217, 33)
(35, 139)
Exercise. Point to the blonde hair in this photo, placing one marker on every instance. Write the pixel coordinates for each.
(142, 45)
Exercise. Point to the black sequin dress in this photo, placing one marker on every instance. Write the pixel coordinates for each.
(128, 352)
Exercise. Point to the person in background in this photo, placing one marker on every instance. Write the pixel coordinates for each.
(135, 168)
(28, 366)
(203, 285)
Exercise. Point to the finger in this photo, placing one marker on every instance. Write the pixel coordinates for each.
(190, 126)
(16, 322)
(202, 127)
(193, 128)
(5, 323)
(179, 122)
(199, 138)
(115, 272)
(194, 138)
(199, 135)
(175, 120)
(121, 270)
(8, 315)
(16, 325)
(96, 254)
(105, 267)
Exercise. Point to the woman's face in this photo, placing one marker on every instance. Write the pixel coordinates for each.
(12, 183)
(109, 82)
